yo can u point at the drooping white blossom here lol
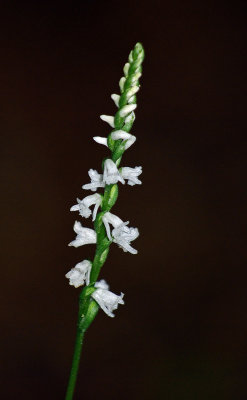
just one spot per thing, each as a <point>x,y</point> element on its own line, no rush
<point>96,181</point>
<point>107,300</point>
<point>83,205</point>
<point>121,234</point>
<point>109,119</point>
<point>84,235</point>
<point>131,174</point>
<point>80,274</point>
<point>111,173</point>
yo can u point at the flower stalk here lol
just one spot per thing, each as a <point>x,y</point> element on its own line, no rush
<point>96,294</point>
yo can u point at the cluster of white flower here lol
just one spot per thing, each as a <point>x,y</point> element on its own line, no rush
<point>120,234</point>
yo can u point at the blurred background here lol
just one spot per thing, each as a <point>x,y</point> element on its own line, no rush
<point>182,332</point>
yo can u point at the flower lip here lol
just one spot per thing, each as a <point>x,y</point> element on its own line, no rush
<point>131,175</point>
<point>83,205</point>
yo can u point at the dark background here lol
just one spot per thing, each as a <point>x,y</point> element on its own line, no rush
<point>182,332</point>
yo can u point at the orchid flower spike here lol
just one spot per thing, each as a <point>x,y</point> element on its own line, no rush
<point>131,174</point>
<point>121,234</point>
<point>116,135</point>
<point>96,181</point>
<point>84,235</point>
<point>80,274</point>
<point>111,173</point>
<point>83,205</point>
<point>107,300</point>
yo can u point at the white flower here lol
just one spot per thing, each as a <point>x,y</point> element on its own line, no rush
<point>125,110</point>
<point>115,98</point>
<point>96,181</point>
<point>121,83</point>
<point>79,274</point>
<point>131,174</point>
<point>116,135</point>
<point>109,119</point>
<point>84,235</point>
<point>107,300</point>
<point>83,205</point>
<point>121,234</point>
<point>111,174</point>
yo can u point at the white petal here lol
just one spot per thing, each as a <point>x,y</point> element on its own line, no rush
<point>75,207</point>
<point>121,83</point>
<point>77,227</point>
<point>126,69</point>
<point>109,119</point>
<point>100,140</point>
<point>111,173</point>
<point>112,219</point>
<point>116,135</point>
<point>107,227</point>
<point>115,98</point>
<point>127,109</point>
<point>102,284</point>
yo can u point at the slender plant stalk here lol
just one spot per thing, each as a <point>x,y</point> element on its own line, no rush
<point>75,364</point>
<point>88,307</point>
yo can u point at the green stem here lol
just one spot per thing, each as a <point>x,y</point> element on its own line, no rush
<point>88,309</point>
<point>76,361</point>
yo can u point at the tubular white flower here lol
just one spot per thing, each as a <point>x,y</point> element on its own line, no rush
<point>116,135</point>
<point>115,98</point>
<point>96,181</point>
<point>130,139</point>
<point>80,274</point>
<point>109,119</point>
<point>83,205</point>
<point>121,234</point>
<point>100,140</point>
<point>107,300</point>
<point>131,174</point>
<point>125,110</point>
<point>121,83</point>
<point>84,235</point>
<point>111,173</point>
